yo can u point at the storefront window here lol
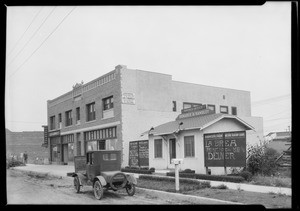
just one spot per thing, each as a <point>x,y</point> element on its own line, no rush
<point>71,152</point>
<point>54,153</point>
<point>91,145</point>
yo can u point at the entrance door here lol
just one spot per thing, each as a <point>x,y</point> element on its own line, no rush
<point>172,148</point>
<point>65,153</point>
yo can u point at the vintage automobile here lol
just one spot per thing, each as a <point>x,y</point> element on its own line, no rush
<point>102,170</point>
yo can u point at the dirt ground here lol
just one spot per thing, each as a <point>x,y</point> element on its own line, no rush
<point>25,189</point>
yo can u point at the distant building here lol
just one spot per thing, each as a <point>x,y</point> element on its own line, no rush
<point>280,141</point>
<point>116,108</point>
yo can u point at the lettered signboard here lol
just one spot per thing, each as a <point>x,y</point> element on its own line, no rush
<point>225,149</point>
<point>138,153</point>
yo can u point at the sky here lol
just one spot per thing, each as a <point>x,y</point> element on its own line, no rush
<point>49,49</point>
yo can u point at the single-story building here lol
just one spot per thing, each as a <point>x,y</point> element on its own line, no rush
<point>202,139</point>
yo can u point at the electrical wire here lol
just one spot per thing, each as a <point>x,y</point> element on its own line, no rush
<point>24,32</point>
<point>42,42</point>
<point>32,35</point>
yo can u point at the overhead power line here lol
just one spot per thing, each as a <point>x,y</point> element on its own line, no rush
<point>32,36</point>
<point>24,32</point>
<point>269,100</point>
<point>42,42</point>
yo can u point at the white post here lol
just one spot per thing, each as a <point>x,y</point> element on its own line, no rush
<point>177,177</point>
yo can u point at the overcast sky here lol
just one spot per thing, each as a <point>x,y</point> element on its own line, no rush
<point>49,49</point>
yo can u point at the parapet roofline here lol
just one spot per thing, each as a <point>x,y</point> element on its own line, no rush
<point>210,86</point>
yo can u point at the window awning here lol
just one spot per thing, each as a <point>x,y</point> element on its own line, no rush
<point>198,122</point>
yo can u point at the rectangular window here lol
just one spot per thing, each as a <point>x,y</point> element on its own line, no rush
<point>190,105</point>
<point>158,148</point>
<point>224,109</point>
<point>189,146</point>
<point>52,122</point>
<point>211,107</point>
<point>77,115</point>
<point>233,111</point>
<point>101,145</point>
<point>68,118</point>
<point>108,103</point>
<point>174,106</point>
<point>59,121</point>
<point>91,113</point>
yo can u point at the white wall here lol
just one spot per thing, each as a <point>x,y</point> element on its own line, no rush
<point>196,163</point>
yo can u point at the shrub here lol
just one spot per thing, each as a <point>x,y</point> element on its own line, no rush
<point>137,171</point>
<point>205,184</point>
<point>262,160</point>
<point>152,169</point>
<point>246,175</point>
<point>13,163</point>
<point>169,179</point>
<point>188,171</point>
<point>222,186</point>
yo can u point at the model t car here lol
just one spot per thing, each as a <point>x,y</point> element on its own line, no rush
<point>102,170</point>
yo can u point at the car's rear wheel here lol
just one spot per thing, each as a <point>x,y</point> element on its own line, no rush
<point>76,184</point>
<point>130,189</point>
<point>98,190</point>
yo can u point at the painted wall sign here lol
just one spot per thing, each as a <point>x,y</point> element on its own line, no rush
<point>139,153</point>
<point>225,149</point>
<point>195,113</point>
<point>54,133</point>
<point>45,134</point>
<point>128,98</point>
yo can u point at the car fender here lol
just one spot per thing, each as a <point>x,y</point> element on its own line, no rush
<point>81,177</point>
<point>131,179</point>
<point>102,180</point>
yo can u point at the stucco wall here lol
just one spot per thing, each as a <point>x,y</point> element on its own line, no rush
<point>196,93</point>
<point>196,163</point>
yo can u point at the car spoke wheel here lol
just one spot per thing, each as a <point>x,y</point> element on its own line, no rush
<point>98,190</point>
<point>76,184</point>
<point>130,189</point>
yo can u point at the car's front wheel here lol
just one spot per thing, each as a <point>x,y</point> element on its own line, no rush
<point>76,184</point>
<point>98,190</point>
<point>130,189</point>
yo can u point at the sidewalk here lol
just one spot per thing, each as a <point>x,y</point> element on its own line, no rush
<point>62,170</point>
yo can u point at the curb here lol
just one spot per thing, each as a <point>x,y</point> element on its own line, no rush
<point>188,197</point>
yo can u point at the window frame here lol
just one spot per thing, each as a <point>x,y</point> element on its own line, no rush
<point>158,154</point>
<point>174,106</point>
<point>52,122</point>
<point>224,107</point>
<point>234,113</point>
<point>68,121</point>
<point>108,103</point>
<point>211,105</point>
<point>91,112</point>
<point>192,150</point>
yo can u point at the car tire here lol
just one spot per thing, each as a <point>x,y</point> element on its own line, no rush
<point>76,184</point>
<point>130,189</point>
<point>98,190</point>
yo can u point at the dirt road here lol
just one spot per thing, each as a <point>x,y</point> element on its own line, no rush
<point>28,189</point>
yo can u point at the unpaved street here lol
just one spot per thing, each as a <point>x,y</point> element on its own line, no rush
<point>29,189</point>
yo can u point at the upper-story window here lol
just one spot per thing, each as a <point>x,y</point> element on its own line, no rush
<point>52,122</point>
<point>108,103</point>
<point>59,120</point>
<point>224,109</point>
<point>190,105</point>
<point>233,110</point>
<point>211,107</point>
<point>77,115</point>
<point>174,106</point>
<point>91,112</point>
<point>69,118</point>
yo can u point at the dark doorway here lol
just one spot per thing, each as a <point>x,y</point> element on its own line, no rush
<point>172,148</point>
